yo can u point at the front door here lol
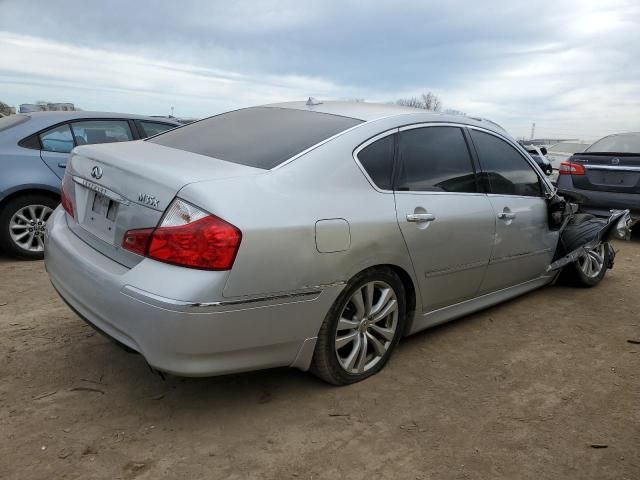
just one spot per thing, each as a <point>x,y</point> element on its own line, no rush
<point>447,224</point>
<point>524,246</point>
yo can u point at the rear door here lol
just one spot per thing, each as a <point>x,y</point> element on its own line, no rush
<point>56,144</point>
<point>447,223</point>
<point>523,246</point>
<point>59,140</point>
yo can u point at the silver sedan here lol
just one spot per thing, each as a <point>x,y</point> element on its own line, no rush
<point>311,235</point>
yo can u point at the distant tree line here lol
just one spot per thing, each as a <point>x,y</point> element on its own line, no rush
<point>5,109</point>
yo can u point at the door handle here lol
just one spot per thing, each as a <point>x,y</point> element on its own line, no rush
<point>62,164</point>
<point>506,216</point>
<point>420,217</point>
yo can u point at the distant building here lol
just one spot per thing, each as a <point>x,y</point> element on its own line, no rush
<point>47,107</point>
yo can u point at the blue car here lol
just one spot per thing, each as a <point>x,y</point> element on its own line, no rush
<point>33,155</point>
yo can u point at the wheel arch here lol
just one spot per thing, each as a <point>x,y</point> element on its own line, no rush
<point>31,190</point>
<point>411,290</point>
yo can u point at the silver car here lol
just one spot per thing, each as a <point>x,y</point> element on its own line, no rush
<point>299,234</point>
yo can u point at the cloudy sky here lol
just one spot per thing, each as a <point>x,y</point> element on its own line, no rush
<point>570,66</point>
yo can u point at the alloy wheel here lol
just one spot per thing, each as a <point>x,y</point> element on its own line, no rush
<point>366,327</point>
<point>592,263</point>
<point>28,225</point>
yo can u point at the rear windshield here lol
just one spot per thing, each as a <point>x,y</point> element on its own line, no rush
<point>261,137</point>
<point>629,143</point>
<point>12,120</point>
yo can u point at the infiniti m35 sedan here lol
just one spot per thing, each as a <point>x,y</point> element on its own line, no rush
<point>311,235</point>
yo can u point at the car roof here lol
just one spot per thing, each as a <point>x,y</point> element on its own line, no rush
<point>369,112</point>
<point>41,120</point>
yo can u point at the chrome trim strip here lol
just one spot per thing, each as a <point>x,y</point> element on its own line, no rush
<point>218,306</point>
<point>617,168</point>
<point>102,190</point>
<point>457,268</point>
<point>518,256</point>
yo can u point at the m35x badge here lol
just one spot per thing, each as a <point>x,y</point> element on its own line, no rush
<point>148,199</point>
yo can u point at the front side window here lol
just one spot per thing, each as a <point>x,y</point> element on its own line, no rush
<point>505,170</point>
<point>377,160</point>
<point>58,139</point>
<point>88,132</point>
<point>154,128</point>
<point>435,159</point>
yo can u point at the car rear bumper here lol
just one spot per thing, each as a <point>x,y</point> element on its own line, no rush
<point>599,202</point>
<point>177,336</point>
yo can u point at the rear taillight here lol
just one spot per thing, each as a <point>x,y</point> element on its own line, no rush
<point>65,198</point>
<point>189,237</point>
<point>569,168</point>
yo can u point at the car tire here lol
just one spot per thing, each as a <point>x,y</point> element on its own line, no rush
<point>22,219</point>
<point>583,272</point>
<point>358,335</point>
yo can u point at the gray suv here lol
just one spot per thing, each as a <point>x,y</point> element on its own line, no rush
<point>33,156</point>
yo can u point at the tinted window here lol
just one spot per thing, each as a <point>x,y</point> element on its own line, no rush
<point>505,170</point>
<point>57,139</point>
<point>261,137</point>
<point>101,131</point>
<point>153,128</point>
<point>377,160</point>
<point>629,143</point>
<point>435,159</point>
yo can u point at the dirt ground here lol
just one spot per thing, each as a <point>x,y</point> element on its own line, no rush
<point>522,390</point>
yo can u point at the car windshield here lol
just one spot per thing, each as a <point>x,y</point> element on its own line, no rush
<point>12,121</point>
<point>626,143</point>
<point>261,137</point>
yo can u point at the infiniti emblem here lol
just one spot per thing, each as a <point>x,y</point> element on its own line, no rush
<point>96,172</point>
<point>615,161</point>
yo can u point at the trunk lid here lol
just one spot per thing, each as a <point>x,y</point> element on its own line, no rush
<point>608,172</point>
<point>124,186</point>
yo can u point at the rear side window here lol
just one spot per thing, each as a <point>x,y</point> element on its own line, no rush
<point>261,137</point>
<point>154,128</point>
<point>57,139</point>
<point>377,160</point>
<point>504,168</point>
<point>435,159</point>
<point>101,131</point>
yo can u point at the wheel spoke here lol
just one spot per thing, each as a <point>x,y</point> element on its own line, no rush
<point>40,242</point>
<point>20,216</point>
<point>350,361</point>
<point>32,212</point>
<point>346,324</point>
<point>358,302</point>
<point>391,307</point>
<point>377,344</point>
<point>385,295</point>
<point>18,226</point>
<point>386,333</point>
<point>368,289</point>
<point>362,357</point>
<point>345,339</point>
<point>20,236</point>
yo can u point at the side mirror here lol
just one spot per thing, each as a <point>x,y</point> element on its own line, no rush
<point>543,150</point>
